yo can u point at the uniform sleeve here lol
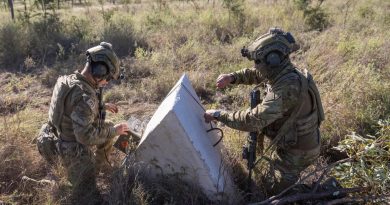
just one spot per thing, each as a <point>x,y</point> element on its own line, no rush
<point>247,76</point>
<point>85,128</point>
<point>275,105</point>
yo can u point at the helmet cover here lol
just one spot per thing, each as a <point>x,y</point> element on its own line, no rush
<point>276,40</point>
<point>104,53</point>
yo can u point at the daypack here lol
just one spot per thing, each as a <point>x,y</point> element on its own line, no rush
<point>47,143</point>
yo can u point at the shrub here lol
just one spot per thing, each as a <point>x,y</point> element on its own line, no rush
<point>79,34</point>
<point>45,34</point>
<point>120,33</point>
<point>316,19</point>
<point>366,12</point>
<point>369,154</point>
<point>236,13</point>
<point>13,45</point>
<point>302,4</point>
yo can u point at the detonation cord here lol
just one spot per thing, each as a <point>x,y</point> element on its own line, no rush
<point>201,106</point>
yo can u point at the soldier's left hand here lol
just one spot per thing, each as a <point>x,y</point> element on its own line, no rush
<point>121,128</point>
<point>111,107</point>
<point>209,115</point>
<point>223,80</point>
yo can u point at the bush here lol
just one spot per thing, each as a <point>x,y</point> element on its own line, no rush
<point>120,33</point>
<point>316,19</point>
<point>368,168</point>
<point>366,12</point>
<point>13,45</point>
<point>45,34</point>
<point>236,14</point>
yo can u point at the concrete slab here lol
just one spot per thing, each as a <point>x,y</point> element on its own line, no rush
<point>176,141</point>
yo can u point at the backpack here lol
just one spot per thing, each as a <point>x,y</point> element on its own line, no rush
<point>47,143</point>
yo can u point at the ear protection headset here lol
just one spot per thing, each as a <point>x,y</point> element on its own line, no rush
<point>98,69</point>
<point>273,59</point>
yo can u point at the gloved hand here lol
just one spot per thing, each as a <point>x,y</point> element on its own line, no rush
<point>211,115</point>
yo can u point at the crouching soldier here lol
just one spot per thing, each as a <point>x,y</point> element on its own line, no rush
<point>76,120</point>
<point>290,112</point>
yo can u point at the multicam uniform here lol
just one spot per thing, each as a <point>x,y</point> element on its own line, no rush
<point>287,96</point>
<point>74,114</point>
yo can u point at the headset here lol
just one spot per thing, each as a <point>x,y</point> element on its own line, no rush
<point>273,59</point>
<point>99,69</point>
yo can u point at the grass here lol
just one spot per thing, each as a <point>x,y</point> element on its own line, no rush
<point>157,43</point>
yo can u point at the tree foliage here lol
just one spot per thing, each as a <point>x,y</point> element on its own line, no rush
<point>316,17</point>
<point>371,156</point>
<point>236,12</point>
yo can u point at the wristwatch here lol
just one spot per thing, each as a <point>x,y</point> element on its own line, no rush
<point>217,114</point>
<point>233,78</point>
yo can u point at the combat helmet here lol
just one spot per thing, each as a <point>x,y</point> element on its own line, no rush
<point>105,54</point>
<point>271,48</point>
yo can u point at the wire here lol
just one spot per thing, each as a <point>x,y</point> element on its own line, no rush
<point>220,139</point>
<point>201,106</point>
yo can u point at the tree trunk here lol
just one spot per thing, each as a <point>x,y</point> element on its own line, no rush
<point>11,7</point>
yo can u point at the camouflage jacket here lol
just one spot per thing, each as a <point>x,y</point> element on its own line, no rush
<point>281,98</point>
<point>74,111</point>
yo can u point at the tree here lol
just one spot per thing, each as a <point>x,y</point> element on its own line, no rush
<point>11,7</point>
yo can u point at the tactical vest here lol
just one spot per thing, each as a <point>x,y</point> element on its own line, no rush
<point>312,121</point>
<point>299,124</point>
<point>61,90</point>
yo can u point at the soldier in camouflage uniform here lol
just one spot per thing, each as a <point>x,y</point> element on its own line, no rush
<point>290,112</point>
<point>74,116</point>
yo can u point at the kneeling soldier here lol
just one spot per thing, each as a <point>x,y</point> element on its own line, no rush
<point>76,117</point>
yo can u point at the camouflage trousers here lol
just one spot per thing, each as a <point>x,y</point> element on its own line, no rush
<point>81,166</point>
<point>284,168</point>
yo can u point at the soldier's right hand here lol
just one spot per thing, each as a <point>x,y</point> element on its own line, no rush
<point>223,80</point>
<point>121,128</point>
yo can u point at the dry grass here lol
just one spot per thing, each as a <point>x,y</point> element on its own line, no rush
<point>131,186</point>
<point>157,43</point>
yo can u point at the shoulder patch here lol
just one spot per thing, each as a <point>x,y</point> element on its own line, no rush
<point>90,102</point>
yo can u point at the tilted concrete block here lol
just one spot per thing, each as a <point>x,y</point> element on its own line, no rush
<point>176,141</point>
